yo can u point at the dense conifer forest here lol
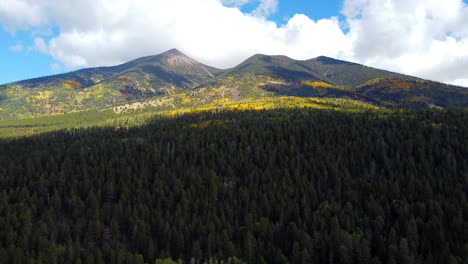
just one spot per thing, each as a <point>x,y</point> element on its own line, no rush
<point>276,186</point>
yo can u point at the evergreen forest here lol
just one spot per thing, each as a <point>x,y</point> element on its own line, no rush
<point>270,186</point>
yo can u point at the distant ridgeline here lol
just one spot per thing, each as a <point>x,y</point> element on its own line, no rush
<point>177,81</point>
<point>277,186</point>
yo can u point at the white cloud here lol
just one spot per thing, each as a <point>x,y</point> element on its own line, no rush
<point>113,32</point>
<point>426,38</point>
<point>266,8</point>
<point>21,14</point>
<point>16,48</point>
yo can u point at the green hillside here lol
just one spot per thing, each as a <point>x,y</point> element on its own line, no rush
<point>177,81</point>
<point>398,93</point>
<point>138,114</point>
<point>347,74</point>
<point>99,88</point>
<point>166,160</point>
<point>275,66</point>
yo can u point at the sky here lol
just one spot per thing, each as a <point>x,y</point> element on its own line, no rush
<point>424,38</point>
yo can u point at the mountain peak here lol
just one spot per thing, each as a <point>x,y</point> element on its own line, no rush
<point>331,61</point>
<point>269,58</point>
<point>175,57</point>
<point>173,52</point>
<point>279,66</point>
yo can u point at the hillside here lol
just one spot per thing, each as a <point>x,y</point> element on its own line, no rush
<point>332,71</point>
<point>177,81</point>
<point>397,93</point>
<point>97,88</point>
<point>325,77</point>
<point>348,74</point>
<point>279,186</point>
<point>163,74</point>
<point>273,161</point>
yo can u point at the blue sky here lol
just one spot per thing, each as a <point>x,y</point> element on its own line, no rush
<point>315,9</point>
<point>24,63</point>
<point>427,39</point>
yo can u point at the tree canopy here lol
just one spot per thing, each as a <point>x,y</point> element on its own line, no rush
<point>277,186</point>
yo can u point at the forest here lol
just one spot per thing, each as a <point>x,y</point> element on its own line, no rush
<point>271,186</point>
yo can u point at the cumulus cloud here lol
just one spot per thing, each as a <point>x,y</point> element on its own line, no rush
<point>18,14</point>
<point>426,38</point>
<point>113,32</point>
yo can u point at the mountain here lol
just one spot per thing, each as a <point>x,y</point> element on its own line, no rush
<point>96,88</point>
<point>398,93</point>
<point>332,71</point>
<point>275,66</point>
<point>177,81</point>
<point>343,73</point>
<point>163,74</point>
<point>328,77</point>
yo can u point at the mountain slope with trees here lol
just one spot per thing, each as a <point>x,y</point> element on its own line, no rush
<point>279,186</point>
<point>174,75</point>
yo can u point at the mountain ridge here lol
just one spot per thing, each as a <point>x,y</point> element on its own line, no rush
<point>173,74</point>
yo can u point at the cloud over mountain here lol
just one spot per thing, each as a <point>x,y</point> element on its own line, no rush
<point>424,38</point>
